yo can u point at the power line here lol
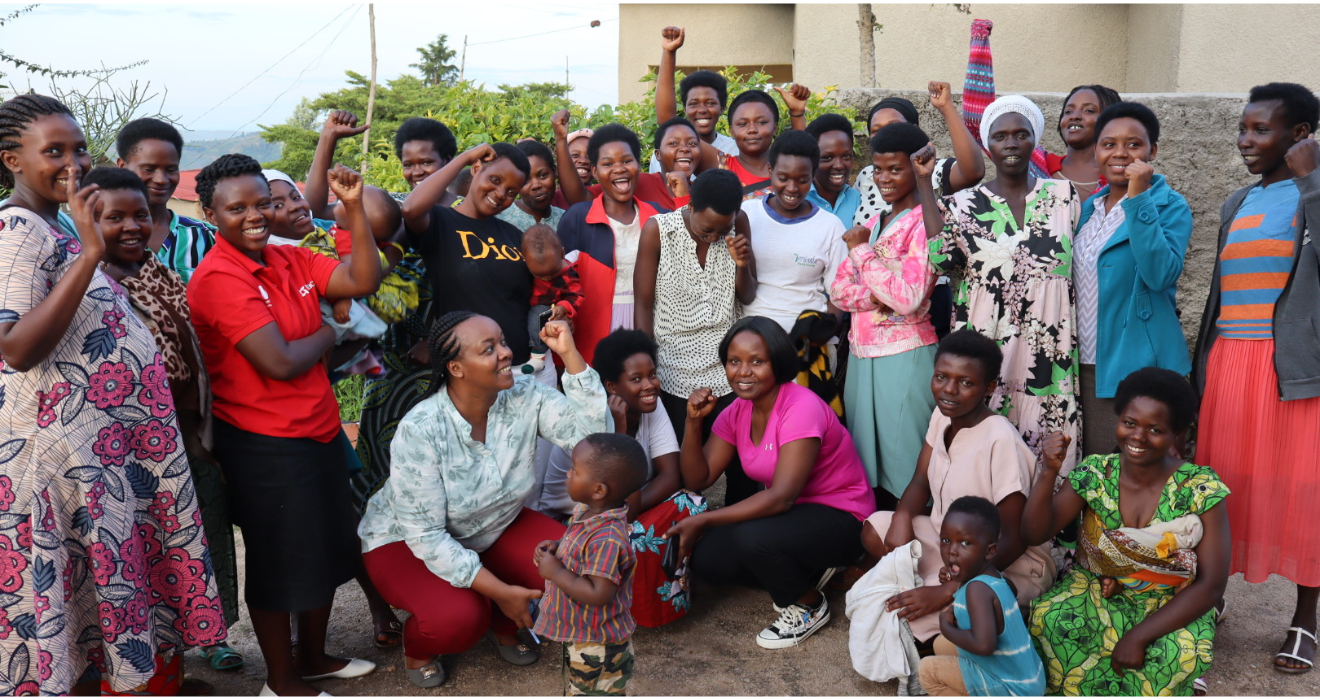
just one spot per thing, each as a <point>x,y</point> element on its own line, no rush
<point>529,36</point>
<point>272,66</point>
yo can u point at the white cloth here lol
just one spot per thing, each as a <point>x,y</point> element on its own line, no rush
<point>273,175</point>
<point>1012,104</point>
<point>796,260</point>
<point>1090,240</point>
<point>722,143</point>
<point>875,635</point>
<point>362,322</point>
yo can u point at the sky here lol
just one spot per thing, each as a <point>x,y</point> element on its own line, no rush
<point>204,53</point>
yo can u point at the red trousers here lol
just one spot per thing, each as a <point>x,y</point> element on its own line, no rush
<point>450,620</point>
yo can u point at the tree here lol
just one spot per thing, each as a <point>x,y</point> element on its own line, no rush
<point>435,63</point>
<point>538,91</point>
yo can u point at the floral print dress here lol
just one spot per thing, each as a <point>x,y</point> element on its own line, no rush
<point>103,561</point>
<point>1015,286</point>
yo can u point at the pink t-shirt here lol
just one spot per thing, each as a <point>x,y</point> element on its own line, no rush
<point>837,480</point>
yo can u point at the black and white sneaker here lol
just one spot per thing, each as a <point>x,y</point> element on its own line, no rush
<point>820,585</point>
<point>796,623</point>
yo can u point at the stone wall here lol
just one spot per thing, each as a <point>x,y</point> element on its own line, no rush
<point>1197,153</point>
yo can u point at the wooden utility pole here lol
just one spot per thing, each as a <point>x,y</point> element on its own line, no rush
<point>371,95</point>
<point>462,62</point>
<point>566,70</point>
<point>866,30</point>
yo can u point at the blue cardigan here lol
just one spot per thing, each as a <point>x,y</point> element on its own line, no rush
<point>1138,271</point>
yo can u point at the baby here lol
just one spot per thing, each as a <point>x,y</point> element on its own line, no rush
<point>588,572</point>
<point>556,292</point>
<point>983,647</point>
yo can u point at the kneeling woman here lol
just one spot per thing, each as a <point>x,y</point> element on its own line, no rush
<point>1130,619</point>
<point>447,535</point>
<point>808,520</point>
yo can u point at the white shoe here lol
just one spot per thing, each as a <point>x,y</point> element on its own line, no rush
<point>353,669</point>
<point>534,364</point>
<point>795,624</point>
<point>820,585</point>
<point>267,692</point>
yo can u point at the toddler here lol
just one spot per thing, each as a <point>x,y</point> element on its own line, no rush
<point>983,647</point>
<point>556,292</point>
<point>588,572</point>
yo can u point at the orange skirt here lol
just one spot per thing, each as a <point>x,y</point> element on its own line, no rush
<point>1268,453</point>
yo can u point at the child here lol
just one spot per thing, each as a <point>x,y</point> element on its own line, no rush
<point>398,294</point>
<point>588,572</point>
<point>556,289</point>
<point>983,628</point>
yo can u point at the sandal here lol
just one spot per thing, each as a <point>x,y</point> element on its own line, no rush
<point>431,675</point>
<point>1221,612</point>
<point>1296,647</point>
<point>520,654</point>
<point>1200,688</point>
<point>392,633</point>
<point>222,657</point>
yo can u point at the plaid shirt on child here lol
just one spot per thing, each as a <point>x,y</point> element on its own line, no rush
<point>565,290</point>
<point>596,546</point>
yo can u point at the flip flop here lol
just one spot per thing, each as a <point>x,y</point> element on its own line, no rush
<point>1200,688</point>
<point>1221,612</point>
<point>1297,646</point>
<point>219,655</point>
<point>391,630</point>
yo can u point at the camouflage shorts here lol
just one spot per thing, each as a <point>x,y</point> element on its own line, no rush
<point>598,669</point>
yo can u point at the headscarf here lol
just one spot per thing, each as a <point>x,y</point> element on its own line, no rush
<point>579,134</point>
<point>1012,104</point>
<point>898,104</point>
<point>273,176</point>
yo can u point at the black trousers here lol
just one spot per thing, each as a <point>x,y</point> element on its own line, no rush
<point>737,485</point>
<point>785,554</point>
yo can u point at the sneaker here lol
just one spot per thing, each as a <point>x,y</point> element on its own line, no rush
<point>795,624</point>
<point>820,585</point>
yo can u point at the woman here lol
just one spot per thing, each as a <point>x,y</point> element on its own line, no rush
<point>885,282</point>
<point>808,520</point>
<point>448,535</point>
<point>1127,258</point>
<point>424,146</point>
<point>257,312</point>
<point>754,122</point>
<point>160,301</point>
<point>99,530</point>
<point>533,205</point>
<point>1256,359</point>
<point>1131,619</point>
<point>689,287</point>
<point>1010,241</point>
<point>626,361</point>
<point>606,232</point>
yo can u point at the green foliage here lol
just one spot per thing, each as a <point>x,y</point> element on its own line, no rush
<point>435,63</point>
<point>348,392</point>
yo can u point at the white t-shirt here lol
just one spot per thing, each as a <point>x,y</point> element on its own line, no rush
<point>796,260</point>
<point>723,144</point>
<point>656,435</point>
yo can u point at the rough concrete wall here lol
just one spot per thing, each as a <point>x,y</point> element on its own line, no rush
<point>1197,153</point>
<point>716,35</point>
<point>1221,53</point>
<point>1155,35</point>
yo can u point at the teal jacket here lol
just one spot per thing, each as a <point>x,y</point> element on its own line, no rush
<point>1138,271</point>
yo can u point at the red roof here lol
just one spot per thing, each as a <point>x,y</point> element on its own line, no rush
<point>187,189</point>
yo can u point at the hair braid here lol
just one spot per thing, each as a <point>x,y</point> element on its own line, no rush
<point>223,168</point>
<point>15,115</point>
<point>444,346</point>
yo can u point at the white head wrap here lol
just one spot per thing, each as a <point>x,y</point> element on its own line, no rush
<point>273,175</point>
<point>1012,104</point>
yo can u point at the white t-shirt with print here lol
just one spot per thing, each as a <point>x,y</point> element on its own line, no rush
<point>796,260</point>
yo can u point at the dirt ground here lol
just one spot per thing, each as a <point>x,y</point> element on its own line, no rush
<point>712,652</point>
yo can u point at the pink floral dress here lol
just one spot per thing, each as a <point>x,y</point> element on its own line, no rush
<point>103,564</point>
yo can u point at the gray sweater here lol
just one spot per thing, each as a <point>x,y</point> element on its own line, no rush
<point>1297,312</point>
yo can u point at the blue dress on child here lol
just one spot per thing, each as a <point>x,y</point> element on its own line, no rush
<point>1015,668</point>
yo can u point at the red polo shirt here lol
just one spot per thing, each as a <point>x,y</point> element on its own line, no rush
<point>232,295</point>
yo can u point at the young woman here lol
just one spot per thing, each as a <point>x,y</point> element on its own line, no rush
<point>257,312</point>
<point>694,267</point>
<point>830,189</point>
<point>626,361</point>
<point>1009,241</point>
<point>1127,258</point>
<point>754,122</point>
<point>533,204</point>
<point>808,520</point>
<point>885,282</point>
<point>1258,358</point>
<point>969,450</point>
<point>99,535</point>
<point>151,149</point>
<point>447,538</point>
<point>1123,622</point>
<point>606,233</point>
<point>424,146</point>
<point>703,94</point>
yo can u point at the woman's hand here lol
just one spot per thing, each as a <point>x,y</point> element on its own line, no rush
<point>1054,451</point>
<point>481,153</point>
<point>686,532</point>
<point>513,602</point>
<point>923,162</point>
<point>920,601</point>
<point>346,183</point>
<point>558,336</point>
<point>740,248</point>
<point>857,235</point>
<point>671,38</point>
<point>795,98</point>
<point>560,124</point>
<point>619,409</point>
<point>700,404</point>
<point>1129,653</point>
<point>342,124</point>
<point>941,95</point>
<point>1303,157</point>
<point>84,204</point>
<point>1139,174</point>
<point>678,184</point>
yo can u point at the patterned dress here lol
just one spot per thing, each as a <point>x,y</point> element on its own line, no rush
<point>1016,287</point>
<point>1075,628</point>
<point>103,561</point>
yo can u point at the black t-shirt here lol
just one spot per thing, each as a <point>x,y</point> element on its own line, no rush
<point>475,265</point>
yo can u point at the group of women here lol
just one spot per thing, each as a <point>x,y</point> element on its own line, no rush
<point>144,360</point>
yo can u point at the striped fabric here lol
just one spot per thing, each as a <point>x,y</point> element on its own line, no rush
<point>189,241</point>
<point>979,83</point>
<point>1255,262</point>
<point>592,546</point>
<point>1090,240</point>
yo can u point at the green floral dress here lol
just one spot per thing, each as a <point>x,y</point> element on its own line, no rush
<point>1015,285</point>
<point>1075,628</point>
